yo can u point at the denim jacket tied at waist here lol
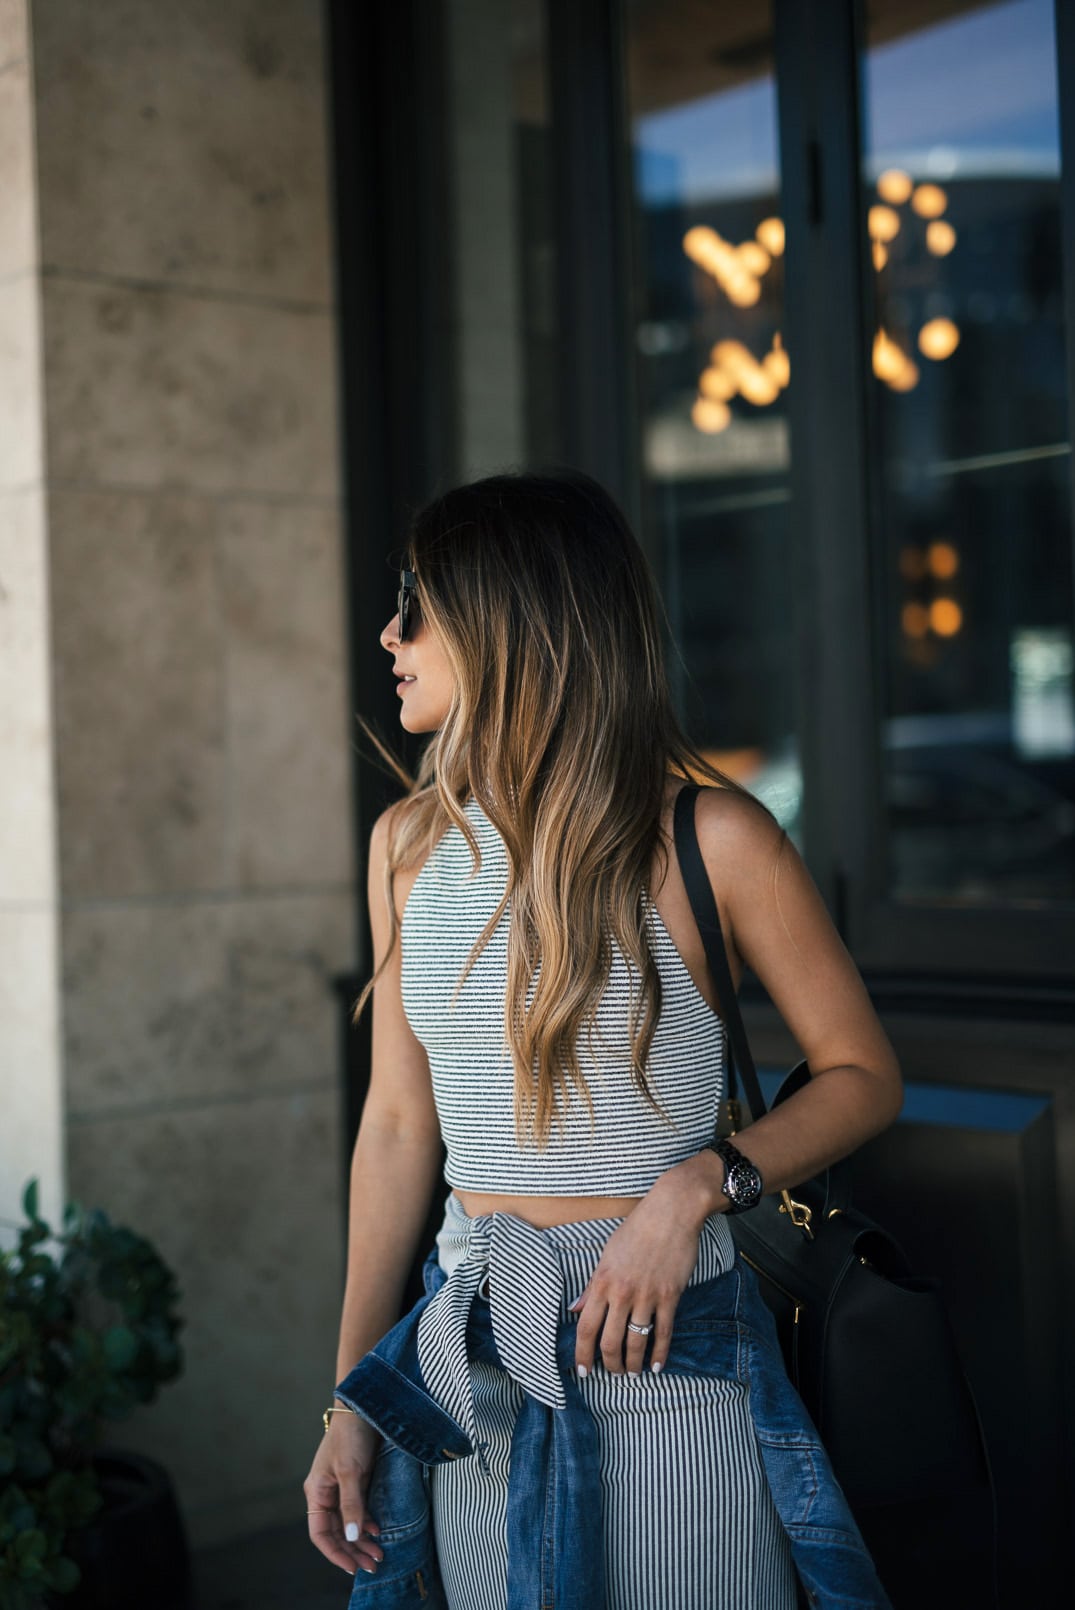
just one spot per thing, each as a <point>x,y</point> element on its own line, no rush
<point>414,1388</point>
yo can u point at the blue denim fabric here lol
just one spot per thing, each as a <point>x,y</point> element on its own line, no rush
<point>722,1328</point>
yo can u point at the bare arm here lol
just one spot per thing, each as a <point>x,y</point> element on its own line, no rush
<point>394,1170</point>
<point>782,929</point>
<point>396,1160</point>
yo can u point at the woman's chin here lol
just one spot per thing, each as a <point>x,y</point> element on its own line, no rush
<point>414,721</point>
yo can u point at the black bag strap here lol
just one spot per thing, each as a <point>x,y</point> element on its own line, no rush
<point>706,915</point>
<point>834,1181</point>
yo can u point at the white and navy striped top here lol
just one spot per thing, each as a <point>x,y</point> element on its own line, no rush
<point>626,1145</point>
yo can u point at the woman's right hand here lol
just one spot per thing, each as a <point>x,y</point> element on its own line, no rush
<point>336,1488</point>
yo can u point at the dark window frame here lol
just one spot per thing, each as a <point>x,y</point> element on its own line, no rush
<point>388,68</point>
<point>1020,949</point>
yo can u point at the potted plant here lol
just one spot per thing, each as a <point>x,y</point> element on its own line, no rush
<point>88,1328</point>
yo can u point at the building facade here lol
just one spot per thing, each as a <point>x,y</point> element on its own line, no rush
<point>176,847</point>
<point>797,282</point>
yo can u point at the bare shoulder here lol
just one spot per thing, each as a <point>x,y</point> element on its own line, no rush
<point>381,834</point>
<point>406,859</point>
<point>386,828</point>
<point>740,840</point>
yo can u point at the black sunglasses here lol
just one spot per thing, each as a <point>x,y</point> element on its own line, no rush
<point>408,604</point>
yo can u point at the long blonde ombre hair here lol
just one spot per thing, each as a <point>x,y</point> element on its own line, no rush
<point>561,728</point>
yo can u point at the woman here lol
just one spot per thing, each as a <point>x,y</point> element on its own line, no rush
<point>541,1003</point>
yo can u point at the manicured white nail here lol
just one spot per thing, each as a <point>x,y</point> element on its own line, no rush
<point>636,1375</point>
<point>582,1371</point>
<point>350,1531</point>
<point>657,1368</point>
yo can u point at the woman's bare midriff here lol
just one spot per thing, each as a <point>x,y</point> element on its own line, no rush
<point>543,1211</point>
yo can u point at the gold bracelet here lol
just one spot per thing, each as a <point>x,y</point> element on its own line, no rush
<point>337,1408</point>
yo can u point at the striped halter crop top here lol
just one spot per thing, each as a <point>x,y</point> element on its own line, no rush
<point>628,1144</point>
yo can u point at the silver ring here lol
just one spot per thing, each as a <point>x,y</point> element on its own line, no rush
<point>639,1330</point>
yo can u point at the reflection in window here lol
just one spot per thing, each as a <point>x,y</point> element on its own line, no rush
<point>973,458</point>
<point>713,376</point>
<point>503,325</point>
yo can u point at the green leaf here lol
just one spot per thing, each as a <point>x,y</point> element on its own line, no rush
<point>30,1547</point>
<point>33,1458</point>
<point>29,1200</point>
<point>120,1347</point>
<point>62,1575</point>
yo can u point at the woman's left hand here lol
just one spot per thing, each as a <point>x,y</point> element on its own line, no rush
<point>644,1267</point>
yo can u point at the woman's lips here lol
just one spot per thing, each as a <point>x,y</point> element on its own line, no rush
<point>403,682</point>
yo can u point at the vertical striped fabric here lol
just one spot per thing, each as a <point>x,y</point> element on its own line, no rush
<point>689,1521</point>
<point>627,1144</point>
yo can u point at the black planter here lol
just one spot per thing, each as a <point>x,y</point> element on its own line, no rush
<point>133,1555</point>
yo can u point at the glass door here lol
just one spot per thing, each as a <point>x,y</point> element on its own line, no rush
<point>713,371</point>
<point>971,458</point>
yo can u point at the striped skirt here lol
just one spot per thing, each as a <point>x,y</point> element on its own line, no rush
<point>689,1522</point>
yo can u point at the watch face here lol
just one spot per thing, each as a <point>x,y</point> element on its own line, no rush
<point>743,1184</point>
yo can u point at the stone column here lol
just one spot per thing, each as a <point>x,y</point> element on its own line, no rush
<point>199,726</point>
<point>30,1089</point>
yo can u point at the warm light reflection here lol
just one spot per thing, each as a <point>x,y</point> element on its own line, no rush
<point>758,387</point>
<point>733,271</point>
<point>912,564</point>
<point>883,223</point>
<point>945,617</point>
<point>771,234</point>
<point>776,362</point>
<point>743,293</point>
<point>739,271</point>
<point>908,377</point>
<point>942,559</point>
<point>710,416</point>
<point>938,339</point>
<point>892,365</point>
<point>895,186</point>
<point>733,370</point>
<point>914,618</point>
<point>751,380</point>
<point>929,200</point>
<point>940,237</point>
<point>754,258</point>
<point>714,383</point>
<point>697,243</point>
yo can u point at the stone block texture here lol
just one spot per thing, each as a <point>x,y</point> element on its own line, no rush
<point>176,620</point>
<point>240,1198</point>
<point>18,231</point>
<point>185,144</point>
<point>152,387</point>
<point>27,818</point>
<point>31,1128</point>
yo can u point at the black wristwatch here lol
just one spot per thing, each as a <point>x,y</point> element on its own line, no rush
<point>742,1181</point>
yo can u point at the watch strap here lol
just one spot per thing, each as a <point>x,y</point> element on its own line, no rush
<point>732,1158</point>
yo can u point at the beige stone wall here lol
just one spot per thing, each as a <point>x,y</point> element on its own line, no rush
<point>200,725</point>
<point>31,1117</point>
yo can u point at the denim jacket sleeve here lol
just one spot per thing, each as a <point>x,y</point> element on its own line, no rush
<point>722,1327</point>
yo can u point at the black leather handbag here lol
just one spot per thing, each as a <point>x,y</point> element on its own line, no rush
<point>867,1343</point>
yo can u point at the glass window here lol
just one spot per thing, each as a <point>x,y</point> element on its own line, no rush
<point>972,459</point>
<point>713,374</point>
<point>502,255</point>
